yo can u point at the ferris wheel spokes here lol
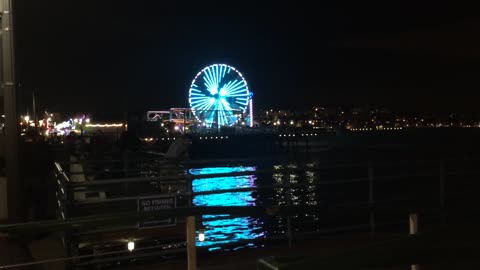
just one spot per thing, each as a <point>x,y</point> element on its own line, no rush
<point>219,96</point>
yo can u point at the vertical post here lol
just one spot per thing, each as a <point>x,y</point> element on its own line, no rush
<point>251,110</point>
<point>289,203</point>
<point>126,168</point>
<point>191,232</point>
<point>218,121</point>
<point>11,117</point>
<point>34,109</point>
<point>125,172</point>
<point>191,248</point>
<point>442,190</point>
<point>371,202</point>
<point>124,124</point>
<point>184,120</point>
<point>413,224</point>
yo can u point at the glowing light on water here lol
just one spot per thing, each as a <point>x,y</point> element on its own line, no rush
<point>223,229</point>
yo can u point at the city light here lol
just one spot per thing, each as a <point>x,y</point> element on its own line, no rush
<point>201,235</point>
<point>131,246</point>
<point>103,125</point>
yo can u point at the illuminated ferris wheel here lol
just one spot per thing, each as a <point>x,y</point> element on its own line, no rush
<point>219,95</point>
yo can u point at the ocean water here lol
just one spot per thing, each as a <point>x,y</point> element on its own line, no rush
<point>324,185</point>
<point>223,229</point>
<point>242,232</point>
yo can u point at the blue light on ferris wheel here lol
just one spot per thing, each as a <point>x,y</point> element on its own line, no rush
<point>218,94</point>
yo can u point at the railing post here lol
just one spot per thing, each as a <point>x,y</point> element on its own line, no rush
<point>289,203</point>
<point>191,231</point>
<point>371,202</point>
<point>442,190</point>
<point>125,171</point>
<point>191,248</point>
<point>413,224</point>
<point>125,163</point>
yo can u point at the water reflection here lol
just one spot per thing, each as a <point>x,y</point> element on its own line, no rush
<point>224,229</point>
<point>300,195</point>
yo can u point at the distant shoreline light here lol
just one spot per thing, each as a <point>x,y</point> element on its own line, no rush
<point>104,125</point>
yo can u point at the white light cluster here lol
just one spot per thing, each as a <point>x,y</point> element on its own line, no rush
<point>302,134</point>
<point>104,125</point>
<point>213,138</point>
<point>377,128</point>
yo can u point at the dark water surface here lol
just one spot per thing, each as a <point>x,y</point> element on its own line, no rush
<point>399,174</point>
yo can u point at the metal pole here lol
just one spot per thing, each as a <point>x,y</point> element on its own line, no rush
<point>370,198</point>
<point>442,191</point>
<point>184,120</point>
<point>34,108</point>
<point>218,121</point>
<point>11,117</point>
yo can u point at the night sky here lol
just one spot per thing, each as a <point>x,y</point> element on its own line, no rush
<point>109,55</point>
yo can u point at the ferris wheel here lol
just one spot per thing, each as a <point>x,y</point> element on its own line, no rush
<point>219,95</point>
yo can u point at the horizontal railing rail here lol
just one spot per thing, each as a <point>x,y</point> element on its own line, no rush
<point>127,180</point>
<point>279,210</point>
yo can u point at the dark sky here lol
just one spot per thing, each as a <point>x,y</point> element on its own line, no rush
<point>104,55</point>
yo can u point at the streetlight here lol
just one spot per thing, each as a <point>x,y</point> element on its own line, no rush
<point>131,245</point>
<point>201,235</point>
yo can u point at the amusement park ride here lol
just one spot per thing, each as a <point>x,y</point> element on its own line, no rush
<point>218,96</point>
